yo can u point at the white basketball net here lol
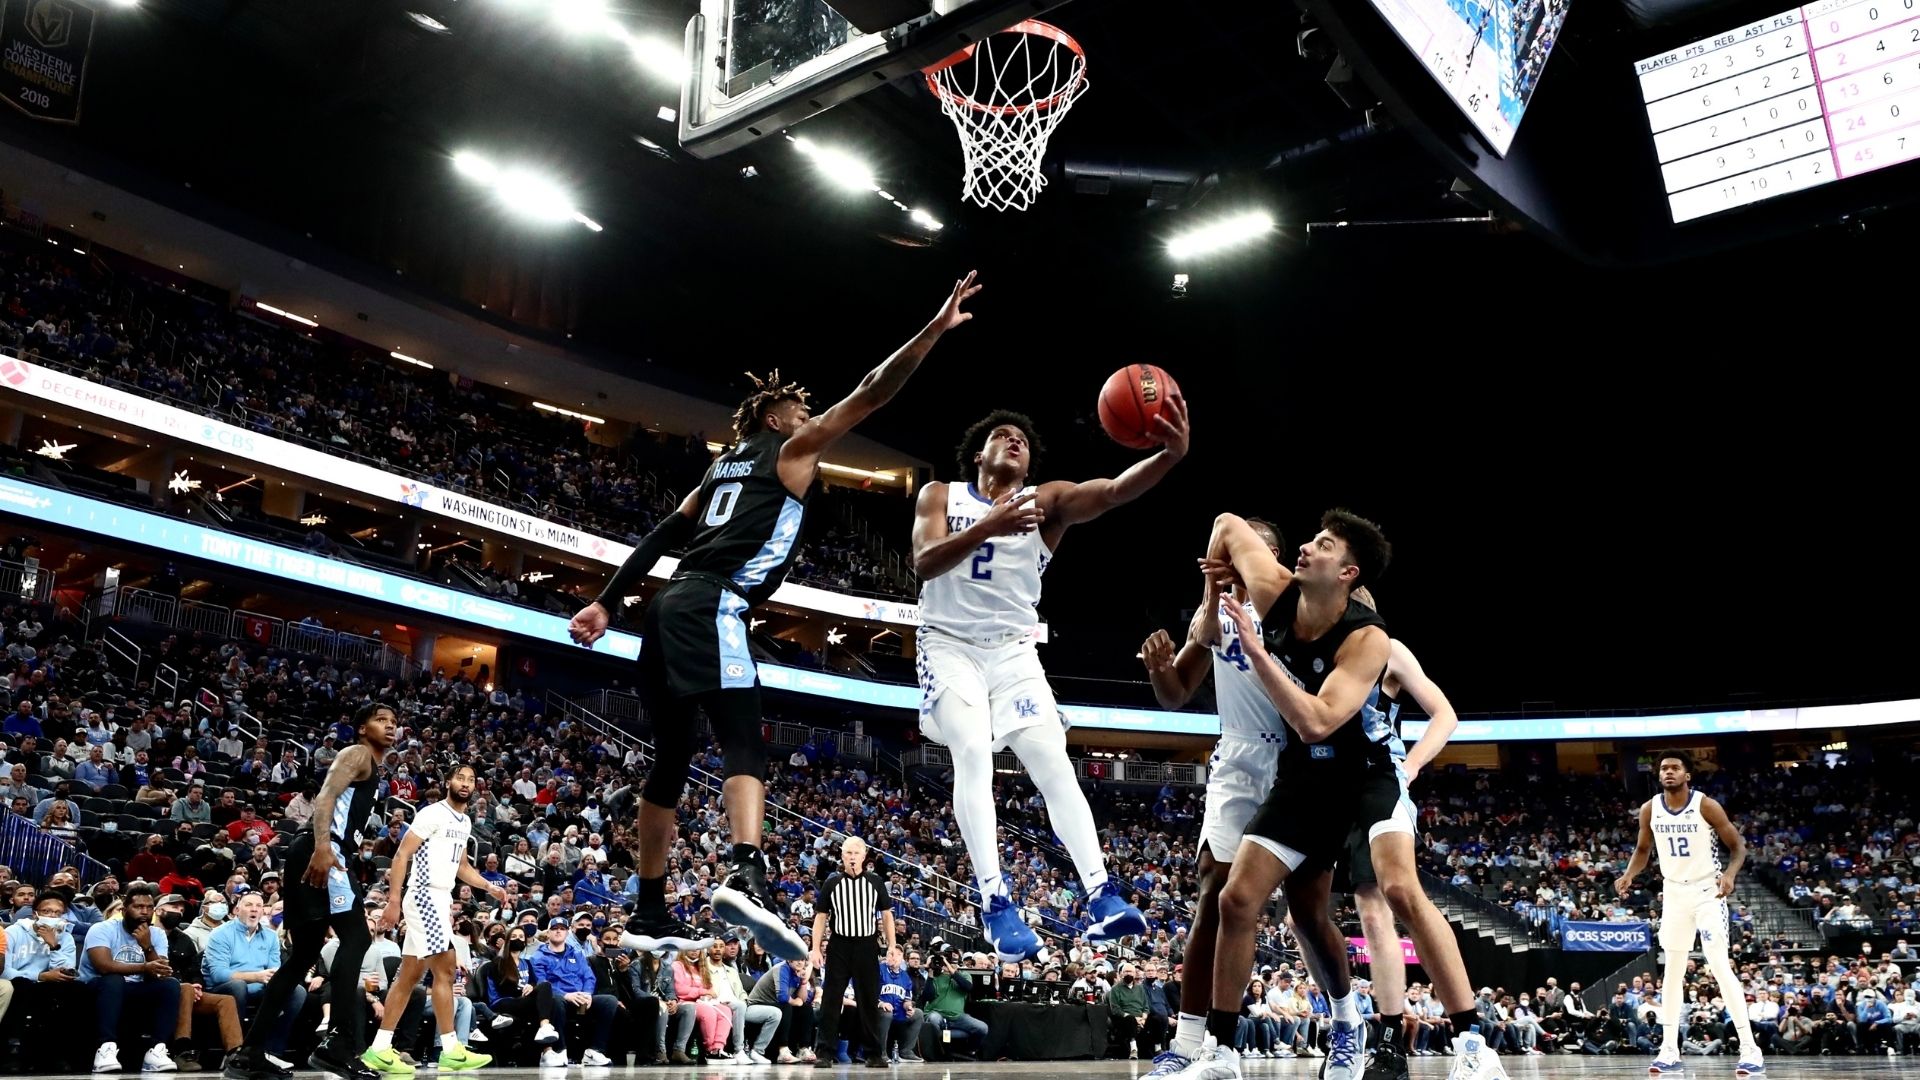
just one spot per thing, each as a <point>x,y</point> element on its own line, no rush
<point>1005,98</point>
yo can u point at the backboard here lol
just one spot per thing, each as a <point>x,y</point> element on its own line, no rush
<point>760,66</point>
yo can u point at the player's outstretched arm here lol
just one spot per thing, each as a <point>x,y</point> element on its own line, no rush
<point>1641,847</point>
<point>1068,503</point>
<point>1356,668</point>
<point>1736,844</point>
<point>590,623</point>
<point>1442,720</point>
<point>814,437</point>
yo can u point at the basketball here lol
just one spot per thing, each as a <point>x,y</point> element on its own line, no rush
<point>1130,400</point>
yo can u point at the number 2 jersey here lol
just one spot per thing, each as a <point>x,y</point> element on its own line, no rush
<point>993,596</point>
<point>443,833</point>
<point>747,527</point>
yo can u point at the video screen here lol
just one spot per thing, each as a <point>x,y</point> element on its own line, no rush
<point>1486,55</point>
<point>1792,101</point>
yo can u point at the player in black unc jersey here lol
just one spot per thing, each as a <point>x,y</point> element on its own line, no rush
<point>740,529</point>
<point>1321,665</point>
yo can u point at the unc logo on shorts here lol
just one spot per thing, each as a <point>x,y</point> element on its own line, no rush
<point>1026,708</point>
<point>734,671</point>
<point>1320,753</point>
<point>1319,665</point>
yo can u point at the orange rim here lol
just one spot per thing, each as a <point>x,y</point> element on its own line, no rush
<point>1029,26</point>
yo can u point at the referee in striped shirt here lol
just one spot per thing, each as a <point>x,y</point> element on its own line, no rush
<point>855,904</point>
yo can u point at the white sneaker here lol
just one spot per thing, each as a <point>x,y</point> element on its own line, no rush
<point>478,1037</point>
<point>546,1036</point>
<point>1472,1060</point>
<point>505,1020</point>
<point>1214,1063</point>
<point>553,1059</point>
<point>1314,1051</point>
<point>1283,1052</point>
<point>107,1058</point>
<point>594,1059</point>
<point>758,1058</point>
<point>158,1060</point>
<point>1346,1052</point>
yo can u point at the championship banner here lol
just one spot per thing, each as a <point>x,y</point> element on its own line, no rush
<point>1606,937</point>
<point>43,56</point>
<point>1357,946</point>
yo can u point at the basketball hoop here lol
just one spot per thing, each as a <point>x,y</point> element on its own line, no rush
<point>1005,94</point>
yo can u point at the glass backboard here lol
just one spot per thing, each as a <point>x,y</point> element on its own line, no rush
<point>760,66</point>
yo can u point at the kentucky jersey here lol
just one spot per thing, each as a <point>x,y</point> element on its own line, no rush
<point>994,594</point>
<point>1245,709</point>
<point>443,833</point>
<point>748,525</point>
<point>1689,852</point>
<point>1362,743</point>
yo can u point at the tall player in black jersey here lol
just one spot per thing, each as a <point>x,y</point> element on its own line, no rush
<point>740,528</point>
<point>326,895</point>
<point>1322,669</point>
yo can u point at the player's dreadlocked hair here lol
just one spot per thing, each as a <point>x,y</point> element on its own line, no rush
<point>975,440</point>
<point>751,416</point>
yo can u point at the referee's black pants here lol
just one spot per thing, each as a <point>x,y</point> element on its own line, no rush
<point>858,959</point>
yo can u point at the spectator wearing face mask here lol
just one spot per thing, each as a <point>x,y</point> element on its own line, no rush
<point>1906,1020</point>
<point>512,990</point>
<point>1873,1022</point>
<point>42,968</point>
<point>213,915</point>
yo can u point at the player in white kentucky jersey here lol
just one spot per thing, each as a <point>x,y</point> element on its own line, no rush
<point>1680,825</point>
<point>980,547</point>
<point>1241,770</point>
<point>431,859</point>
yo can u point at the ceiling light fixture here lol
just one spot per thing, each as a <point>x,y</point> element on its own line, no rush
<point>284,313</point>
<point>567,412</point>
<point>410,360</point>
<point>1221,234</point>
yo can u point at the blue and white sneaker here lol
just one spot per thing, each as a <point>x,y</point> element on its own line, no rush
<point>1214,1063</point>
<point>1113,917</point>
<point>1012,940</point>
<point>1346,1052</point>
<point>1473,1059</point>
<point>1669,1067</point>
<point>1168,1063</point>
<point>1755,1067</point>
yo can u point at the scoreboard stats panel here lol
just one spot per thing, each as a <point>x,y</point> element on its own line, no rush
<point>1815,94</point>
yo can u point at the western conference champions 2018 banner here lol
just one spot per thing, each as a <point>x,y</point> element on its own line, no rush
<point>43,56</point>
<point>1606,937</point>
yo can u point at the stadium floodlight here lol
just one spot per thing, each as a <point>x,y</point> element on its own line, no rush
<point>1221,234</point>
<point>582,17</point>
<point>403,357</point>
<point>474,167</point>
<point>840,168</point>
<point>544,407</point>
<point>926,221</point>
<point>523,191</point>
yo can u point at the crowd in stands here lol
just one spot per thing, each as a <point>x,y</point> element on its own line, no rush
<point>451,433</point>
<point>178,796</point>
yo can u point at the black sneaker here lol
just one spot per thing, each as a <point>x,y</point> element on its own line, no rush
<point>1386,1063</point>
<point>248,1063</point>
<point>327,1059</point>
<point>742,902</point>
<point>657,931</point>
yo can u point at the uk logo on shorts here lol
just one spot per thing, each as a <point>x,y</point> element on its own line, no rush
<point>1026,708</point>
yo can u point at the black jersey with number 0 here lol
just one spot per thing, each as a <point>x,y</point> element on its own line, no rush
<point>748,524</point>
<point>1360,744</point>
